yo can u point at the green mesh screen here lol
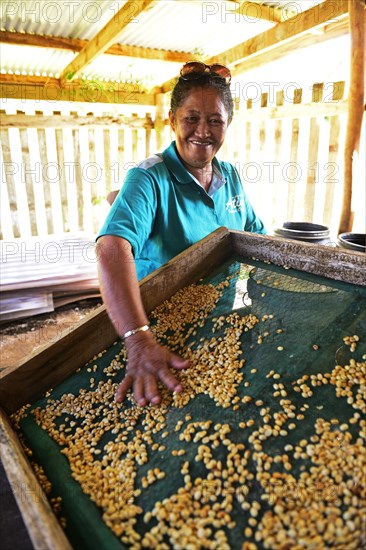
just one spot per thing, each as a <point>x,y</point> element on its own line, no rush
<point>290,488</point>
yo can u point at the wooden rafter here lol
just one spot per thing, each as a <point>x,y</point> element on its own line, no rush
<point>282,32</point>
<point>107,36</point>
<point>275,42</point>
<point>333,30</point>
<point>76,45</point>
<point>329,17</point>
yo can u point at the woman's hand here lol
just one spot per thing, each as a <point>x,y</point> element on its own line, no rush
<point>147,363</point>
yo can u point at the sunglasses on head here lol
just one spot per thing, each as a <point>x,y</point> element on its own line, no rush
<point>193,70</point>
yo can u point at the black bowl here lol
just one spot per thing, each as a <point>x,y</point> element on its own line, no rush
<point>304,231</point>
<point>353,241</point>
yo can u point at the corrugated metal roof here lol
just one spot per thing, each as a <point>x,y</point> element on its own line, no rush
<point>203,27</point>
<point>146,73</point>
<point>71,19</point>
<point>199,28</point>
<point>33,60</point>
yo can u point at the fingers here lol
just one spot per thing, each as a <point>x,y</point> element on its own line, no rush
<point>144,374</point>
<point>123,388</point>
<point>145,389</point>
<point>170,380</point>
<point>138,390</point>
<point>177,362</point>
<point>151,391</point>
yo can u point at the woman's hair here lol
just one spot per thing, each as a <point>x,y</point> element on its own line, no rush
<point>184,87</point>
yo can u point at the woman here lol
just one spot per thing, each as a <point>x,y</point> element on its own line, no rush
<point>167,203</point>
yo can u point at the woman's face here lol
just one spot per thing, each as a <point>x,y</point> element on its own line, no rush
<point>200,125</point>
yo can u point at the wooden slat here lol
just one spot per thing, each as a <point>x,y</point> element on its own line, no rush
<point>294,165</point>
<point>94,184</point>
<point>78,178</point>
<point>62,181</point>
<point>107,161</point>
<point>6,223</point>
<point>134,138</point>
<point>278,185</point>
<point>52,363</point>
<point>108,35</point>
<point>73,121</point>
<point>41,88</point>
<point>313,164</point>
<point>121,156</point>
<point>332,171</point>
<point>263,137</point>
<point>160,119</point>
<point>8,168</point>
<point>248,125</point>
<point>88,175</point>
<point>76,45</point>
<point>52,173</point>
<point>23,134</point>
<point>149,126</point>
<point>46,184</point>
<point>43,528</point>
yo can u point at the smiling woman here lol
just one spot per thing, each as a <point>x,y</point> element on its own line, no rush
<point>200,123</point>
<point>167,203</point>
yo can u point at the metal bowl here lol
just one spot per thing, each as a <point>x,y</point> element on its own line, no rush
<point>353,241</point>
<point>304,231</point>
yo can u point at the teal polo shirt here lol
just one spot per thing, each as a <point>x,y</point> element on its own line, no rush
<point>161,208</point>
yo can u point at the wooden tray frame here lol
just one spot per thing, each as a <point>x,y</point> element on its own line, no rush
<point>55,361</point>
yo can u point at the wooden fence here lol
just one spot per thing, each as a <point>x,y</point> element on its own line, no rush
<point>57,170</point>
<point>289,153</point>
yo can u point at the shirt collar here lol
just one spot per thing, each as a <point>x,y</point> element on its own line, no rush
<point>174,165</point>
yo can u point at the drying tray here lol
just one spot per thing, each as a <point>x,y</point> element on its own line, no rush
<point>310,298</point>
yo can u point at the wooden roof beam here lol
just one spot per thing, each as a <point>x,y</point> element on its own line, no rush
<point>332,30</point>
<point>287,31</point>
<point>42,88</point>
<point>277,40</point>
<point>76,45</point>
<point>107,36</point>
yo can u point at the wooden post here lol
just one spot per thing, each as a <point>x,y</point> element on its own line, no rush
<point>355,107</point>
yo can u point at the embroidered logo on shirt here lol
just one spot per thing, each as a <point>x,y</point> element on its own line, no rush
<point>235,204</point>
